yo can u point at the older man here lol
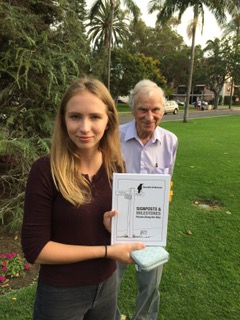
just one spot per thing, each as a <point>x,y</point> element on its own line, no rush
<point>147,148</point>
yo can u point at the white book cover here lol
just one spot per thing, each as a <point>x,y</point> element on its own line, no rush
<point>142,202</point>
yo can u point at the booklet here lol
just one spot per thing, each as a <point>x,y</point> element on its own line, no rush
<point>142,202</point>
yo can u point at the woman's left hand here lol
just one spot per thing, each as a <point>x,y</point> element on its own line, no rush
<point>107,218</point>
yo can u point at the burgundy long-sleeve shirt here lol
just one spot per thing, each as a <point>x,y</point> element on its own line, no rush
<point>48,216</point>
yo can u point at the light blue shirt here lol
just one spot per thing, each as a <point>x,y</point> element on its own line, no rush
<point>157,156</point>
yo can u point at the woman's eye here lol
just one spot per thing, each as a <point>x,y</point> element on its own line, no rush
<point>75,117</point>
<point>95,117</point>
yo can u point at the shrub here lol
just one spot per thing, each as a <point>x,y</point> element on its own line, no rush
<point>17,156</point>
<point>12,265</point>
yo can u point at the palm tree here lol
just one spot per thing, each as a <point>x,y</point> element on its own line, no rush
<point>219,65</point>
<point>233,28</point>
<point>108,25</point>
<point>167,8</point>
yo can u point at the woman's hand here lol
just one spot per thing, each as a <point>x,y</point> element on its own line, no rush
<point>107,218</point>
<point>122,252</point>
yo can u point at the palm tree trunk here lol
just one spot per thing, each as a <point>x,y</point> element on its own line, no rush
<point>191,64</point>
<point>112,2</point>
<point>231,93</point>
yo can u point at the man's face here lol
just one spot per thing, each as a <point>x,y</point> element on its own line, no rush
<point>148,112</point>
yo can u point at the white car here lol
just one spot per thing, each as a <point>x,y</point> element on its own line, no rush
<point>180,103</point>
<point>171,106</point>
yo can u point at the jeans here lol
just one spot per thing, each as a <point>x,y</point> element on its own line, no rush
<point>93,302</point>
<point>148,297</point>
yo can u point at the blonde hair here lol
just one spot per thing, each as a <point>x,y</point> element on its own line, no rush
<point>64,157</point>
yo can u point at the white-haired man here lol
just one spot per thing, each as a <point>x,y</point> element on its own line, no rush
<point>147,148</point>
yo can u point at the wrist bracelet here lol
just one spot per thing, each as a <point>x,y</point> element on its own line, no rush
<point>105,256</point>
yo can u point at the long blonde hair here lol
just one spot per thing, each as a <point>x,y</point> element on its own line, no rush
<point>64,157</point>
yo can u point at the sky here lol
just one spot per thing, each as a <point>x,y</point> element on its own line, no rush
<point>210,30</point>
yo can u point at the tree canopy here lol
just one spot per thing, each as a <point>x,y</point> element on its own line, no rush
<point>166,9</point>
<point>39,55</point>
<point>44,45</point>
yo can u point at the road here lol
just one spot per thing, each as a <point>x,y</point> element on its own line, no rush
<point>192,114</point>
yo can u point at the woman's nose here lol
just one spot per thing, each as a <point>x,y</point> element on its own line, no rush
<point>85,125</point>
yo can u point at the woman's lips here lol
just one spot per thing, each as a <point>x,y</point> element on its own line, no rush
<point>84,139</point>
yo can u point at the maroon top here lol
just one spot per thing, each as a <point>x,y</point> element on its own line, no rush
<point>48,216</point>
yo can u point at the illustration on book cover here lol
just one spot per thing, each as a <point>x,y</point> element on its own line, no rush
<point>142,204</point>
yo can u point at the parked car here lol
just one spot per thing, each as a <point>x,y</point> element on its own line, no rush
<point>171,106</point>
<point>204,104</point>
<point>180,103</point>
<point>123,99</point>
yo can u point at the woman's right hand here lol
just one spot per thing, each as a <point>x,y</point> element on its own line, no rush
<point>122,252</point>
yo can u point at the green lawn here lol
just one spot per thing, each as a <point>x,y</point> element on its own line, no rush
<point>201,281</point>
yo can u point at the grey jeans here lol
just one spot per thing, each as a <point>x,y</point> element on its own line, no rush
<point>95,302</point>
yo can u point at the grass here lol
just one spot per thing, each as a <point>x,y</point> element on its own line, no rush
<point>125,108</point>
<point>201,281</point>
<point>17,305</point>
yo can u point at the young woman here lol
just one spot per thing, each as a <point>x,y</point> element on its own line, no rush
<point>67,210</point>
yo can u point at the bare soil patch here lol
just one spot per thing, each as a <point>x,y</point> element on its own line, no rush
<point>212,205</point>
